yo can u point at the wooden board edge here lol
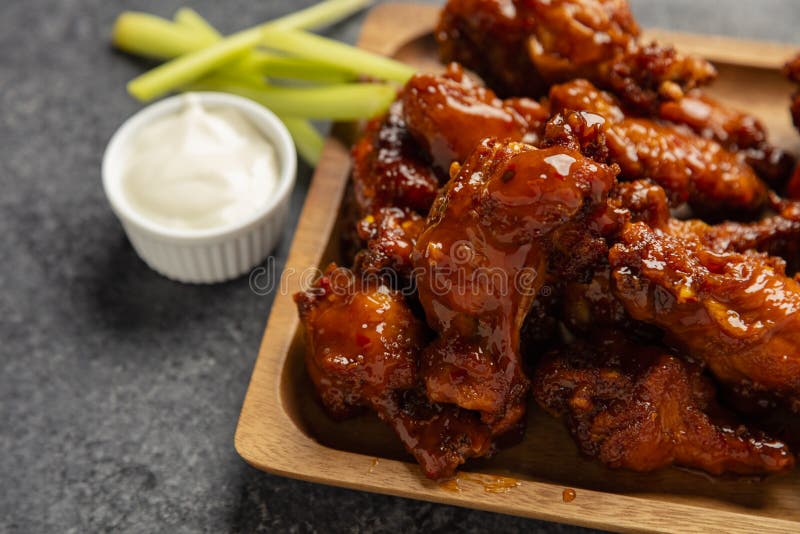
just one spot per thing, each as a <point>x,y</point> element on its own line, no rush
<point>727,50</point>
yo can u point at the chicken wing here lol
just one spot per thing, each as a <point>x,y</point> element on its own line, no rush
<point>362,350</point>
<point>734,130</point>
<point>482,259</point>
<point>643,408</point>
<point>713,180</point>
<point>736,312</point>
<point>775,235</point>
<point>521,47</point>
<point>450,114</point>
<point>390,169</point>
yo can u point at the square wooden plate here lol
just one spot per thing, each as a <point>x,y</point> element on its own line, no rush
<point>283,430</point>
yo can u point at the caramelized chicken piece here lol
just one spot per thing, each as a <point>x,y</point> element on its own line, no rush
<point>441,437</point>
<point>793,189</point>
<point>588,306</point>
<point>541,330</point>
<point>450,114</point>
<point>521,47</point>
<point>643,408</point>
<point>389,169</point>
<point>712,119</point>
<point>488,37</point>
<point>713,180</point>
<point>646,201</point>
<point>390,235</point>
<point>792,71</point>
<point>735,130</point>
<point>580,131</point>
<point>362,350</point>
<point>775,235</point>
<point>484,256</point>
<point>362,340</point>
<point>738,313</point>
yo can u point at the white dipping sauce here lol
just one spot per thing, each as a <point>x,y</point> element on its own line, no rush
<point>200,168</point>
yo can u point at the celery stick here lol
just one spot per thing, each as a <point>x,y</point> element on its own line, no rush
<point>343,56</point>
<point>306,138</point>
<point>322,14</point>
<point>336,102</point>
<point>269,64</point>
<point>275,66</point>
<point>192,66</point>
<point>151,36</point>
<point>191,19</point>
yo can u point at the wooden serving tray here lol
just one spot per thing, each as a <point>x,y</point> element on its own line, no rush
<point>283,430</point>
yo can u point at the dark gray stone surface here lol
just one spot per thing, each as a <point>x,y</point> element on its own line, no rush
<point>120,390</point>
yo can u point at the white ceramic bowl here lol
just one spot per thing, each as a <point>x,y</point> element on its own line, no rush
<point>208,255</point>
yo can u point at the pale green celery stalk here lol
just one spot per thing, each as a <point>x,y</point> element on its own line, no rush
<point>190,67</point>
<point>306,138</point>
<point>147,35</point>
<point>191,19</point>
<point>321,14</point>
<point>275,66</point>
<point>266,64</point>
<point>336,102</point>
<point>346,57</point>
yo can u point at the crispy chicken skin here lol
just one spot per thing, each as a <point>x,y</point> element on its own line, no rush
<point>450,114</point>
<point>738,313</point>
<point>362,340</point>
<point>389,236</point>
<point>775,235</point>
<point>735,130</point>
<point>521,47</point>
<point>690,168</point>
<point>362,350</point>
<point>482,259</point>
<point>441,437</point>
<point>712,119</point>
<point>393,189</point>
<point>438,119</point>
<point>644,408</point>
<point>389,168</point>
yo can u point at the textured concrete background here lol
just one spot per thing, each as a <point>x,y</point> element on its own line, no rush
<point>120,390</point>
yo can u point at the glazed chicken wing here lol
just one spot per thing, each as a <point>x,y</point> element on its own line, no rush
<point>713,180</point>
<point>775,235</point>
<point>734,130</point>
<point>450,114</point>
<point>738,313</point>
<point>362,350</point>
<point>643,408</point>
<point>398,161</point>
<point>521,47</point>
<point>389,168</point>
<point>482,259</point>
